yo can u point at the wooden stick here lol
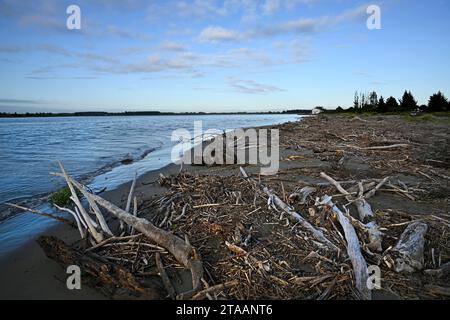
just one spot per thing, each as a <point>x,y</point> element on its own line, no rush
<point>394,146</point>
<point>317,234</point>
<point>372,192</point>
<point>220,287</point>
<point>182,251</point>
<point>164,277</point>
<point>42,214</point>
<point>78,219</point>
<point>98,237</point>
<point>365,212</point>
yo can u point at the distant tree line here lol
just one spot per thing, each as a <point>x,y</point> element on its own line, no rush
<point>370,102</point>
<point>138,113</point>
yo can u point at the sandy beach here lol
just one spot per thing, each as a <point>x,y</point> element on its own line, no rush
<point>346,147</point>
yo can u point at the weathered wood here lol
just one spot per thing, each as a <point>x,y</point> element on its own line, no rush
<point>443,271</point>
<point>353,250</point>
<point>408,252</point>
<point>438,290</point>
<point>110,279</point>
<point>220,287</point>
<point>98,237</point>
<point>42,214</point>
<point>183,252</point>
<point>164,277</point>
<point>316,233</point>
<point>364,210</point>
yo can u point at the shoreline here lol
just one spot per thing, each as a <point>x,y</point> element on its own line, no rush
<point>18,261</point>
<point>27,270</point>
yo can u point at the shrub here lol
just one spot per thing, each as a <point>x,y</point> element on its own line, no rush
<point>61,198</point>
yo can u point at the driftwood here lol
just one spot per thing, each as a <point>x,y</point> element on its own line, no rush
<point>111,279</point>
<point>220,287</point>
<point>390,147</point>
<point>317,234</point>
<point>353,250</point>
<point>438,290</point>
<point>42,214</point>
<point>83,214</point>
<point>443,271</point>
<point>408,252</point>
<point>164,277</point>
<point>364,210</point>
<point>182,251</point>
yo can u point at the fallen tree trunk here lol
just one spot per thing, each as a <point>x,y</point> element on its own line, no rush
<point>182,251</point>
<point>112,280</point>
<point>353,250</point>
<point>364,210</point>
<point>408,252</point>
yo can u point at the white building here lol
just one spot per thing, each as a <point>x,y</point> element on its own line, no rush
<point>318,110</point>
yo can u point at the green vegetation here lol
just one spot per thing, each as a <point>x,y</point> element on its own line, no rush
<point>369,103</point>
<point>61,198</point>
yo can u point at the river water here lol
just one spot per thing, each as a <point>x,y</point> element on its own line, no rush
<point>92,150</point>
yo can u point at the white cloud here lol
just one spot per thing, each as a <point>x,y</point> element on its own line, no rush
<point>217,34</point>
<point>172,46</point>
<point>251,86</point>
<point>299,26</point>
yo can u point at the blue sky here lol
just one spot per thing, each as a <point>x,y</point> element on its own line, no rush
<point>211,55</point>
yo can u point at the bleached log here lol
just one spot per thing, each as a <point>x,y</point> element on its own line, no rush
<point>98,237</point>
<point>317,234</point>
<point>364,210</point>
<point>303,194</point>
<point>78,220</point>
<point>100,218</point>
<point>408,252</point>
<point>353,250</point>
<point>183,252</point>
<point>130,198</point>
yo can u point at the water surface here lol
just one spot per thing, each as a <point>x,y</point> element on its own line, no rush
<point>91,149</point>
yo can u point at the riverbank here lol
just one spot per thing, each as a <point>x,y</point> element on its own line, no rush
<point>349,149</point>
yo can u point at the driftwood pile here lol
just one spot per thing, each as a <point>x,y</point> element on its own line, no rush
<point>232,237</point>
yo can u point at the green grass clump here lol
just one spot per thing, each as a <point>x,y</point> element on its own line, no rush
<point>61,198</point>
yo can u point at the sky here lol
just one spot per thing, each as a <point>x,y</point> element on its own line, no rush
<point>218,56</point>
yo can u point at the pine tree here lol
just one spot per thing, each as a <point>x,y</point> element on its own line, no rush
<point>382,107</point>
<point>438,102</point>
<point>392,105</point>
<point>408,103</point>
<point>356,101</point>
<point>373,99</point>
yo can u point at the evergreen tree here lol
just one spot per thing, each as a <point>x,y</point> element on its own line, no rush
<point>356,101</point>
<point>373,99</point>
<point>382,107</point>
<point>438,102</point>
<point>392,105</point>
<point>408,103</point>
